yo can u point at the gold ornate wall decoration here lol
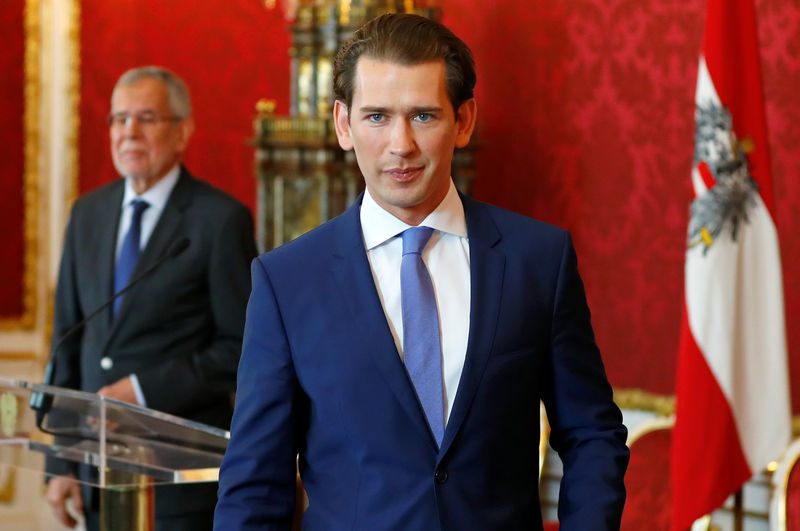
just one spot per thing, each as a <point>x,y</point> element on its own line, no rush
<point>74,99</point>
<point>31,179</point>
<point>8,482</point>
<point>664,405</point>
<point>9,409</point>
<point>32,28</point>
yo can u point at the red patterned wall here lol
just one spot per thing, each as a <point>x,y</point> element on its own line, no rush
<point>12,162</point>
<point>585,116</point>
<point>780,40</point>
<point>229,53</point>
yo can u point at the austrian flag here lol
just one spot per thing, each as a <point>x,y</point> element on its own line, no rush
<point>732,390</point>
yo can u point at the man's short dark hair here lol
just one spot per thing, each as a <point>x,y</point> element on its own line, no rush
<point>408,40</point>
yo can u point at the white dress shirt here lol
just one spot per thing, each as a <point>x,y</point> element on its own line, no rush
<point>447,258</point>
<point>157,197</point>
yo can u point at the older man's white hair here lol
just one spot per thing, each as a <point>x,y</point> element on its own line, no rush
<point>180,103</point>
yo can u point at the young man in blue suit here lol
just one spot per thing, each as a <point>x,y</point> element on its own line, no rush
<point>401,349</point>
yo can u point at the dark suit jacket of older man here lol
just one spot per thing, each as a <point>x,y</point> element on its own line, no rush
<point>180,328</point>
<point>320,376</point>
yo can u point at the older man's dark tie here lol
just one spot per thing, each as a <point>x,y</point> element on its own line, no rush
<point>422,350</point>
<point>129,254</point>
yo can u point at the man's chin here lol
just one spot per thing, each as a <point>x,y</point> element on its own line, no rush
<point>144,179</point>
<point>133,172</point>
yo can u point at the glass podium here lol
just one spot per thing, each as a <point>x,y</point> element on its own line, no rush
<point>125,449</point>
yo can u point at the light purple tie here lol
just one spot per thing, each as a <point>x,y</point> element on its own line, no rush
<point>422,350</point>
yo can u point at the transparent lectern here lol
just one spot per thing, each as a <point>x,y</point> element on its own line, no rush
<point>125,449</point>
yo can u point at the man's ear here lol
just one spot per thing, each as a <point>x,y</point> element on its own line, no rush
<point>186,129</point>
<point>341,119</point>
<point>465,122</point>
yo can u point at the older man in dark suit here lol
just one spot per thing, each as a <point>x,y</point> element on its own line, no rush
<point>172,342</point>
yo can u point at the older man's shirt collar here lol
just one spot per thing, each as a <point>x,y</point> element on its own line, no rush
<point>158,194</point>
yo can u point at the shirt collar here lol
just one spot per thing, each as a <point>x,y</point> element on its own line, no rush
<point>378,225</point>
<point>157,194</point>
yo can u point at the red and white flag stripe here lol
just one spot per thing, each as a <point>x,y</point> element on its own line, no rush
<point>733,412</point>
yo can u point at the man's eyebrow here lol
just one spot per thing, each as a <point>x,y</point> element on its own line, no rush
<point>140,111</point>
<point>373,110</point>
<point>369,109</point>
<point>422,109</point>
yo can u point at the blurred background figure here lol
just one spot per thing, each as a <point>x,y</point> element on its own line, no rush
<point>172,342</point>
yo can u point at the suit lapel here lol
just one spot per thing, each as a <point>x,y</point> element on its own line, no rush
<point>354,277</point>
<point>163,235</point>
<point>487,266</point>
<point>107,249</point>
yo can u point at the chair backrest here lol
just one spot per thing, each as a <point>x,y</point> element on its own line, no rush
<point>544,436</point>
<point>649,501</point>
<point>301,503</point>
<point>784,513</point>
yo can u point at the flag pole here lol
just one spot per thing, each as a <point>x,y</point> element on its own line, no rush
<point>738,510</point>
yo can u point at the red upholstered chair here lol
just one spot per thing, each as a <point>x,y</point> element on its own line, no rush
<point>649,502</point>
<point>648,505</point>
<point>784,514</point>
<point>301,503</point>
<point>544,436</point>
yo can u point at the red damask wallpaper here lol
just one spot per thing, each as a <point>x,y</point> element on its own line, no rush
<point>587,122</point>
<point>12,162</point>
<point>585,118</point>
<point>229,53</point>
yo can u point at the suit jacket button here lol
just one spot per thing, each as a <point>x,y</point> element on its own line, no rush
<point>106,363</point>
<point>440,475</point>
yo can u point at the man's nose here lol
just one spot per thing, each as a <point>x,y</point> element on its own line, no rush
<point>402,141</point>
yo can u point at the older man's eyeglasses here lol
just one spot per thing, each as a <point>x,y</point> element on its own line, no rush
<point>144,119</point>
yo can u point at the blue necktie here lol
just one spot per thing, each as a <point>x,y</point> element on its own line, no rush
<point>129,254</point>
<point>422,350</point>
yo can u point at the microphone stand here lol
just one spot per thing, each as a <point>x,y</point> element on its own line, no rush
<point>42,402</point>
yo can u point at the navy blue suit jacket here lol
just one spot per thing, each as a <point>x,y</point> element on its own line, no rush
<point>320,377</point>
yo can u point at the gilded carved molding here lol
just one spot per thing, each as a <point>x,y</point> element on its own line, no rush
<point>8,478</point>
<point>32,91</point>
<point>37,179</point>
<point>74,97</point>
<point>664,405</point>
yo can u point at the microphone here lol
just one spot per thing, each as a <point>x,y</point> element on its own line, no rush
<point>41,402</point>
